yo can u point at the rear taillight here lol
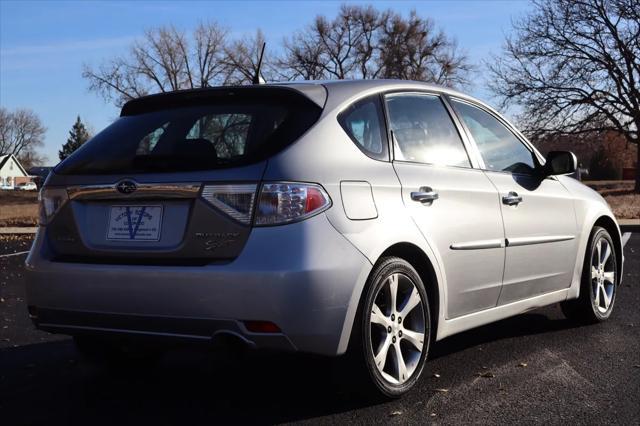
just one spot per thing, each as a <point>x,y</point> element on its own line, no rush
<point>234,200</point>
<point>284,202</point>
<point>51,200</point>
<point>278,202</point>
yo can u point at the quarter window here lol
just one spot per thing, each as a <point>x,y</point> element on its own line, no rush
<point>500,149</point>
<point>364,123</point>
<point>423,131</point>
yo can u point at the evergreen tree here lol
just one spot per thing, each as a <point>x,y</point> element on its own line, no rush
<point>78,135</point>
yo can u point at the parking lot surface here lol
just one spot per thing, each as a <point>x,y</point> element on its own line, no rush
<point>534,368</point>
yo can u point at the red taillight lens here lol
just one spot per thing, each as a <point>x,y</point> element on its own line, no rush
<point>261,327</point>
<point>315,200</point>
<point>283,202</point>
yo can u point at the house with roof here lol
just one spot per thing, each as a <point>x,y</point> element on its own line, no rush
<point>11,172</point>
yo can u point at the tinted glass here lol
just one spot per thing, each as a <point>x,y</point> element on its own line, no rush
<point>423,131</point>
<point>501,150</point>
<point>364,123</point>
<point>219,134</point>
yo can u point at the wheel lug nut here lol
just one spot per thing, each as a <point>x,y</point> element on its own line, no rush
<point>389,329</point>
<point>394,339</point>
<point>393,317</point>
<point>399,320</point>
<point>400,333</point>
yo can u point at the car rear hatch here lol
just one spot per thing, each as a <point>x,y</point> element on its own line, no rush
<point>174,180</point>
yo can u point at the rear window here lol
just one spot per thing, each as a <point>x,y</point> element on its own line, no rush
<point>215,133</point>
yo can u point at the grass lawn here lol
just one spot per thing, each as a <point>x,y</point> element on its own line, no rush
<point>21,208</point>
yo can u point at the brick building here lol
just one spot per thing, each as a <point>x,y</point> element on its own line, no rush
<point>607,155</point>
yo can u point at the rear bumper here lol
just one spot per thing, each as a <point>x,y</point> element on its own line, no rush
<point>157,328</point>
<point>304,277</point>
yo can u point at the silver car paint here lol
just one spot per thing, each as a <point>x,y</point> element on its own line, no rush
<point>333,151</point>
<point>300,279</point>
<point>308,277</point>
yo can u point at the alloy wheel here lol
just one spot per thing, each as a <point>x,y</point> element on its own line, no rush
<point>397,328</point>
<point>603,275</point>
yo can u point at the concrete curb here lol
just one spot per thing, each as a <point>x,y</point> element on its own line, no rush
<point>12,230</point>
<point>629,225</point>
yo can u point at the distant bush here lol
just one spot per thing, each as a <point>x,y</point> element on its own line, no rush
<point>601,167</point>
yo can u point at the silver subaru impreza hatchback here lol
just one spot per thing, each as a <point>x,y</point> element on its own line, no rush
<point>362,217</point>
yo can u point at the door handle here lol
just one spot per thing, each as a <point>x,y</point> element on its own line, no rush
<point>425,195</point>
<point>512,199</point>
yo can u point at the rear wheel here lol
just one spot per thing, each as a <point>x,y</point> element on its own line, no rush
<point>599,281</point>
<point>394,328</point>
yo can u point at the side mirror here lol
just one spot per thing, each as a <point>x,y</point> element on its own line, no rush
<point>560,163</point>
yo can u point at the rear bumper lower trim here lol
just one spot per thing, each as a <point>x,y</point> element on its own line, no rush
<point>165,328</point>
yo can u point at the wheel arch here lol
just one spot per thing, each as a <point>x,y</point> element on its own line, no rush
<point>610,225</point>
<point>423,265</point>
<point>606,221</point>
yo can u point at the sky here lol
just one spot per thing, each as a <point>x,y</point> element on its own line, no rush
<point>44,44</point>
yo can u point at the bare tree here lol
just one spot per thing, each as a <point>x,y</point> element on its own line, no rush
<point>303,58</point>
<point>574,67</point>
<point>334,49</point>
<point>21,133</point>
<point>165,59</point>
<point>413,49</point>
<point>362,42</point>
<point>241,59</point>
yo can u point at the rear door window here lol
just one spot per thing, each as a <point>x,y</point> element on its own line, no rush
<point>423,131</point>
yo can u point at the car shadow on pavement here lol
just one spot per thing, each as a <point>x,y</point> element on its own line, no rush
<point>518,326</point>
<point>48,383</point>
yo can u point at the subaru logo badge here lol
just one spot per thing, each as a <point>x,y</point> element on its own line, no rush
<point>126,187</point>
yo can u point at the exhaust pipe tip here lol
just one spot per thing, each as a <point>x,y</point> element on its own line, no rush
<point>231,340</point>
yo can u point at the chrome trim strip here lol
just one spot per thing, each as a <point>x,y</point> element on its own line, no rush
<point>525,241</point>
<point>143,191</point>
<point>478,245</point>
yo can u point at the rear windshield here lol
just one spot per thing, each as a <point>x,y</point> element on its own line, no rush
<point>214,134</point>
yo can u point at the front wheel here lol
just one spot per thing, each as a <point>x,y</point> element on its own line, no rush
<point>599,281</point>
<point>395,327</point>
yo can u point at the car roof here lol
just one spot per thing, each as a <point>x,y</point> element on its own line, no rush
<point>325,93</point>
<point>340,91</point>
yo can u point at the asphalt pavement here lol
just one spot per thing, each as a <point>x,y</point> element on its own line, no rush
<point>531,369</point>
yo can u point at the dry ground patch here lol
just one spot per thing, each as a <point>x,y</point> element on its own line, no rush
<point>18,208</point>
<point>625,206</point>
<point>620,196</point>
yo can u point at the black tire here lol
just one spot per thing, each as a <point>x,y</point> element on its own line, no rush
<point>116,352</point>
<point>585,309</point>
<point>361,350</point>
